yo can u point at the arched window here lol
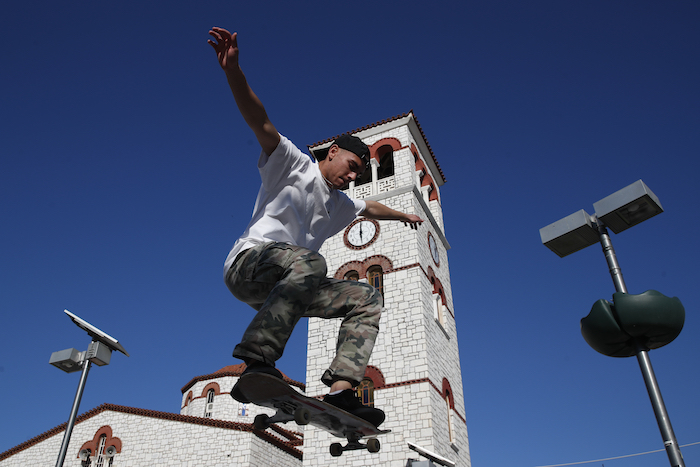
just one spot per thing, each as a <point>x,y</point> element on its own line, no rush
<point>365,391</point>
<point>352,276</point>
<point>100,459</point>
<point>375,277</point>
<point>450,407</point>
<point>450,427</point>
<point>439,308</point>
<point>386,162</point>
<point>209,407</point>
<point>101,449</point>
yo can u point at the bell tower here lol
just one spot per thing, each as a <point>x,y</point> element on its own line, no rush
<point>414,373</point>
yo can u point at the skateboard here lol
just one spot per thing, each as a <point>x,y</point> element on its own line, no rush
<point>269,391</point>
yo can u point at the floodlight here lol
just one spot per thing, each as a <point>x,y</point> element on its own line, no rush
<point>68,360</point>
<point>628,207</point>
<point>570,234</point>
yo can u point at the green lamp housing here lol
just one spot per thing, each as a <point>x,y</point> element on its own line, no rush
<point>649,319</point>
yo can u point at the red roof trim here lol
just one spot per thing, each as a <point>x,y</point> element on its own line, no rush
<point>286,446</point>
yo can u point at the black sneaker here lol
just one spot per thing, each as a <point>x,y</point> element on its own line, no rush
<point>348,401</point>
<point>254,367</point>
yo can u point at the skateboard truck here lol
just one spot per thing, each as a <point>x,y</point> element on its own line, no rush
<point>354,443</point>
<point>301,416</point>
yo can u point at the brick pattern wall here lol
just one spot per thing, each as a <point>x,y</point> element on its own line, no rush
<point>157,438</point>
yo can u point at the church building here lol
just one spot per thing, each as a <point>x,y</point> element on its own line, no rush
<point>414,374</point>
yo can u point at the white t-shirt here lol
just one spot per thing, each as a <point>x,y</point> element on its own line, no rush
<point>294,204</point>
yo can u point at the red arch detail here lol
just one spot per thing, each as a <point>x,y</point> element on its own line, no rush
<point>447,392</point>
<point>212,385</point>
<point>362,266</point>
<point>373,373</point>
<point>92,445</point>
<point>393,142</point>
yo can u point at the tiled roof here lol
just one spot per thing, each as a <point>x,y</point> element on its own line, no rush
<point>288,446</point>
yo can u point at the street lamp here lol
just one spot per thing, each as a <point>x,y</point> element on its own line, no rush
<point>70,360</point>
<point>632,324</point>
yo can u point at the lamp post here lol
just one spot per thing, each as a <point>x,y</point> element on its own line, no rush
<point>70,360</point>
<point>621,210</point>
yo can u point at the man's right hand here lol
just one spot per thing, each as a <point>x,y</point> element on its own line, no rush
<point>226,47</point>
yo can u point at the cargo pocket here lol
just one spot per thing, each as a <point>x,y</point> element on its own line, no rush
<point>272,263</point>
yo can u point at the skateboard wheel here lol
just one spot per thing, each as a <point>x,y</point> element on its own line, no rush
<point>336,449</point>
<point>302,416</point>
<point>261,422</point>
<point>373,445</point>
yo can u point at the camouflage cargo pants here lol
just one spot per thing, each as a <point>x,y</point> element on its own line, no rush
<point>285,283</point>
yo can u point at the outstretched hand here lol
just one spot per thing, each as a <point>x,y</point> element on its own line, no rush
<point>379,211</point>
<point>226,47</point>
<point>413,221</point>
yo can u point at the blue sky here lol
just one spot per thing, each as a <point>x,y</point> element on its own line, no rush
<point>127,173</point>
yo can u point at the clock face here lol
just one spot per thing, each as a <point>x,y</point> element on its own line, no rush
<point>434,252</point>
<point>361,233</point>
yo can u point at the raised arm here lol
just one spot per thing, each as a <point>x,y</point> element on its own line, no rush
<point>375,210</point>
<point>252,110</point>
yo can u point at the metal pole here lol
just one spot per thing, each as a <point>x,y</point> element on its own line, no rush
<point>611,258</point>
<point>657,402</point>
<point>74,412</point>
<point>670,443</point>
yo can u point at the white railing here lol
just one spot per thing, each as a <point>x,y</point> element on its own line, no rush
<point>386,184</point>
<point>372,188</point>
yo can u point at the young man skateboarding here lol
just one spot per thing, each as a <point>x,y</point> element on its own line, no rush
<point>275,266</point>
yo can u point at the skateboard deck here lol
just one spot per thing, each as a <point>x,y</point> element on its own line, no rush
<point>269,391</point>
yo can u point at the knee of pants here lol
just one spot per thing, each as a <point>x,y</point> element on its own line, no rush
<point>374,303</point>
<point>373,295</point>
